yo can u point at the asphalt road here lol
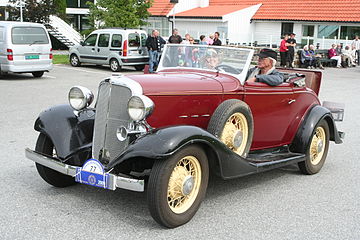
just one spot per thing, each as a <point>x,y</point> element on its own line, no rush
<point>279,204</point>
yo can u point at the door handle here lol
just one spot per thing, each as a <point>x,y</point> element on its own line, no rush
<point>291,101</point>
<point>93,49</point>
<point>98,49</point>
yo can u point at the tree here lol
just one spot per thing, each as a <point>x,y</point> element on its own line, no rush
<point>34,10</point>
<point>120,13</point>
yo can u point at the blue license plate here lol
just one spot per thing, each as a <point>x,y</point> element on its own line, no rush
<point>92,173</point>
<point>29,57</point>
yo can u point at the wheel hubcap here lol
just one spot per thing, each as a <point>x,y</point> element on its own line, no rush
<point>184,184</point>
<point>317,146</point>
<point>188,185</point>
<point>114,65</point>
<point>235,133</point>
<point>74,60</point>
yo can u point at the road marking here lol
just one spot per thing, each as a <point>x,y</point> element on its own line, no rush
<point>48,76</point>
<point>82,70</point>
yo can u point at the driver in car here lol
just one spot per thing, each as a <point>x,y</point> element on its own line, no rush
<point>211,59</point>
<point>265,70</point>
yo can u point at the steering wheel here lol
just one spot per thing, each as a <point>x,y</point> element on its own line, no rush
<point>227,68</point>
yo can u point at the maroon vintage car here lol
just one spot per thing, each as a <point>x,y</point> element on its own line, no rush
<point>168,131</point>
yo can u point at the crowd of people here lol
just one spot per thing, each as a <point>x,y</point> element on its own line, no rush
<point>309,57</point>
<point>154,43</point>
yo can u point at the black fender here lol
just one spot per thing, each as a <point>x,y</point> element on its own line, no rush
<point>69,132</point>
<point>161,143</point>
<point>305,131</point>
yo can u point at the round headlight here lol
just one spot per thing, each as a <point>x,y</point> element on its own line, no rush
<point>80,97</point>
<point>139,107</point>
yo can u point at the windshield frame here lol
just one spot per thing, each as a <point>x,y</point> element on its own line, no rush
<point>241,77</point>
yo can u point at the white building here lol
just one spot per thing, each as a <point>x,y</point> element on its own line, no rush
<point>263,22</point>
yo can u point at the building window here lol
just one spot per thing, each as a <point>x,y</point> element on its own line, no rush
<point>72,3</point>
<point>308,31</point>
<point>286,28</point>
<point>349,31</point>
<point>159,23</point>
<point>83,3</point>
<point>328,31</point>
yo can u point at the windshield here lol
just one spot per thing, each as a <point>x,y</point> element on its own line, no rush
<point>234,61</point>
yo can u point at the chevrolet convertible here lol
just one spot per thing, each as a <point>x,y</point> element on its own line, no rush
<point>167,132</point>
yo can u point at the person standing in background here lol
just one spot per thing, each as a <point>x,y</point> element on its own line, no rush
<point>153,44</point>
<point>175,37</point>
<point>217,41</point>
<point>284,51</point>
<point>355,46</point>
<point>291,50</point>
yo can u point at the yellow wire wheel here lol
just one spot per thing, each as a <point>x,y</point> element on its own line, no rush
<point>177,186</point>
<point>317,145</point>
<point>317,149</point>
<point>184,184</point>
<point>232,123</point>
<point>235,133</point>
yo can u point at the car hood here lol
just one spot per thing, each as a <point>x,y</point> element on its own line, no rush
<point>170,83</point>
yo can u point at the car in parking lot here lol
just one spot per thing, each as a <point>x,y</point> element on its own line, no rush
<point>115,47</point>
<point>25,47</point>
<point>171,130</point>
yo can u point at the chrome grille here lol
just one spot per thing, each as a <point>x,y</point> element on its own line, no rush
<point>111,113</point>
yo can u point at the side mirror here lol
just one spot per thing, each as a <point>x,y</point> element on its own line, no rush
<point>82,43</point>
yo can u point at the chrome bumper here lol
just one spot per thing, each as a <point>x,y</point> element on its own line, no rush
<point>116,181</point>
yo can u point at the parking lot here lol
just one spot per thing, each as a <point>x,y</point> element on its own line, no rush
<point>279,204</point>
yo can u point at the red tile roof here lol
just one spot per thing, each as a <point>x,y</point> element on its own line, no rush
<point>211,11</point>
<point>161,7</point>
<point>302,10</point>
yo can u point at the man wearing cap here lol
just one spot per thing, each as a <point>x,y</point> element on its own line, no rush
<point>265,71</point>
<point>291,50</point>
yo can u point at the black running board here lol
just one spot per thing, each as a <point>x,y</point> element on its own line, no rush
<point>267,161</point>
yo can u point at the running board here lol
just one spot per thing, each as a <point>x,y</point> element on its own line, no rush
<point>267,161</point>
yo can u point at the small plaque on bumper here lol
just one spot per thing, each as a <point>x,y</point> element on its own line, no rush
<point>92,173</point>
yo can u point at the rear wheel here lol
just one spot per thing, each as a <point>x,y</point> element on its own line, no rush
<point>114,65</point>
<point>74,60</point>
<point>45,146</point>
<point>177,186</point>
<point>38,74</point>
<point>139,67</point>
<point>317,149</point>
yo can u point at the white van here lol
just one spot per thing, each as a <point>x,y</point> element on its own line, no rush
<point>115,47</point>
<point>24,48</point>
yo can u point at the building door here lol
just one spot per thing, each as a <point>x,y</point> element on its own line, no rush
<point>286,28</point>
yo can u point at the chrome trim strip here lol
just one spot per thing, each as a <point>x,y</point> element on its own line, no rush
<point>116,181</point>
<point>184,116</point>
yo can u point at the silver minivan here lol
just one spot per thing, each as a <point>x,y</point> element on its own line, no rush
<point>114,47</point>
<point>24,48</point>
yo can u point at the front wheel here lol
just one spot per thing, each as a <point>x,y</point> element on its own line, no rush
<point>317,149</point>
<point>114,65</point>
<point>45,146</point>
<point>38,74</point>
<point>177,186</point>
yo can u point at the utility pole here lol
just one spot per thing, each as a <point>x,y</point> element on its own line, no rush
<point>21,5</point>
<point>174,2</point>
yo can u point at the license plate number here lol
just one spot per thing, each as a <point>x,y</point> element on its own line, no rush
<point>30,57</point>
<point>92,173</point>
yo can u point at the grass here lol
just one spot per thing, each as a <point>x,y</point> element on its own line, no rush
<point>61,59</point>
